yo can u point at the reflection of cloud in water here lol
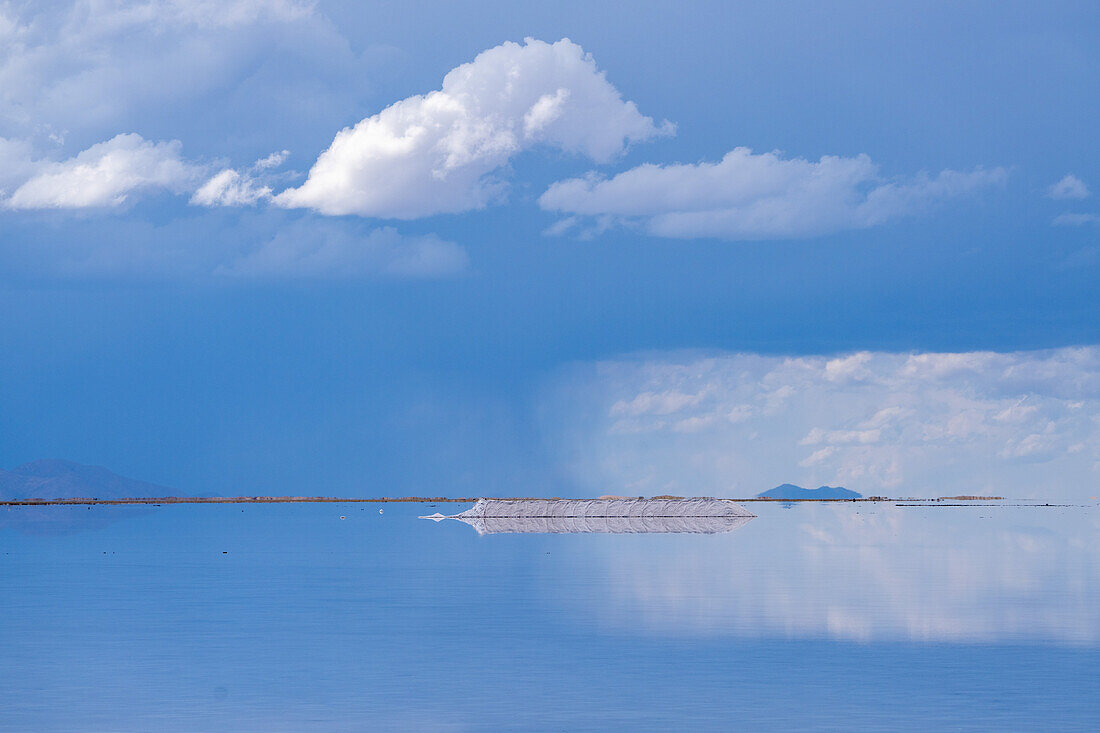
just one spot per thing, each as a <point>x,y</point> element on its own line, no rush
<point>915,574</point>
<point>605,516</point>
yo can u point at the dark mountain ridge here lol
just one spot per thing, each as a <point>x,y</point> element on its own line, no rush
<point>792,492</point>
<point>53,478</point>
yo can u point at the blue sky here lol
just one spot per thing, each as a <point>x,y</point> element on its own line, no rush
<point>189,304</point>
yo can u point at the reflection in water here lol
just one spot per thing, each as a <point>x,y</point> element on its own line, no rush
<point>64,520</point>
<point>287,617</point>
<point>924,574</point>
<point>607,516</point>
<point>607,525</point>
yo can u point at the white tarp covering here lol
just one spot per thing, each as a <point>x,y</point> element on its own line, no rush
<point>554,516</point>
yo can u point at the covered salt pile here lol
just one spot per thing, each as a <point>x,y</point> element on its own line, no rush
<point>615,516</point>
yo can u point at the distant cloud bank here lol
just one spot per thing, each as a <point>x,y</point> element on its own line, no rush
<point>1021,424</point>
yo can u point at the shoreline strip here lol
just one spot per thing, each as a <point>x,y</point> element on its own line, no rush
<point>418,500</point>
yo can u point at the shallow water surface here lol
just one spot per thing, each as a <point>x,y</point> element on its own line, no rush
<point>339,617</point>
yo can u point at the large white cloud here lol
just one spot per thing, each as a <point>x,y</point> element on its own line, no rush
<point>1023,424</point>
<point>106,174</point>
<point>439,153</point>
<point>757,196</point>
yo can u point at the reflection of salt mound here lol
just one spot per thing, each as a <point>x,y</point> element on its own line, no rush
<point>615,516</point>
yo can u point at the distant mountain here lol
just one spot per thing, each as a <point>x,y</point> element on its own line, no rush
<point>790,492</point>
<point>57,479</point>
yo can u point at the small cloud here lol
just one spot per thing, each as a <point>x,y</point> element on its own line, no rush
<point>1075,220</point>
<point>1070,187</point>
<point>271,161</point>
<point>233,188</point>
<point>90,63</point>
<point>817,456</point>
<point>560,227</point>
<point>656,403</point>
<point>695,424</point>
<point>817,436</point>
<point>230,188</point>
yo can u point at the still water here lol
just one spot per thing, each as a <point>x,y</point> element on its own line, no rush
<point>338,617</point>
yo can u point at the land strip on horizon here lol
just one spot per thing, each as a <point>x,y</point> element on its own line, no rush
<point>420,500</point>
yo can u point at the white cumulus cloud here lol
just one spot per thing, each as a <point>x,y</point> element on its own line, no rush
<point>1069,187</point>
<point>443,152</point>
<point>758,196</point>
<point>106,174</point>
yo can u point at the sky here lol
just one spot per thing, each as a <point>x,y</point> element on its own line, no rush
<point>267,246</point>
